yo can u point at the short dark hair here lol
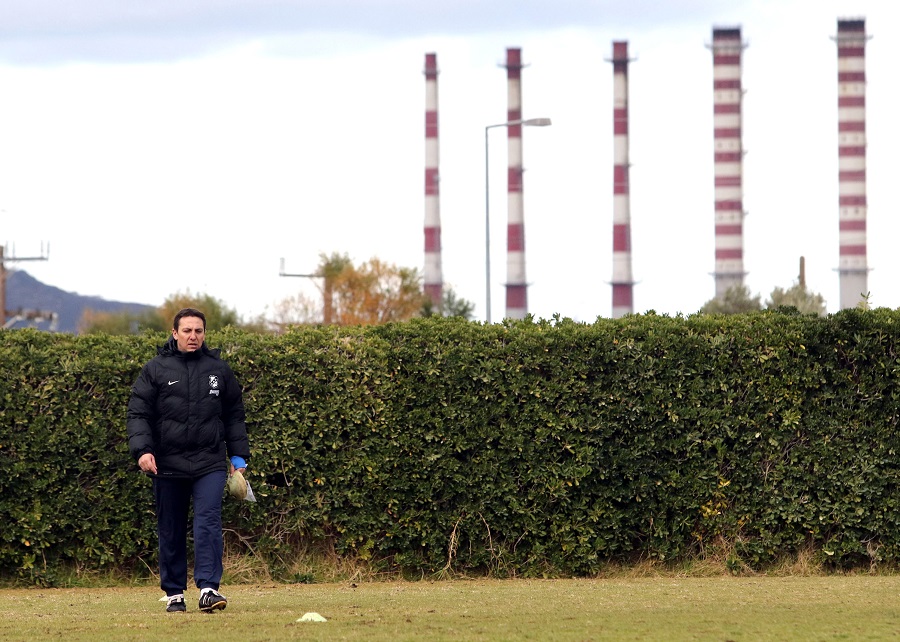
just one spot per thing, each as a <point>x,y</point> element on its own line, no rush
<point>188,312</point>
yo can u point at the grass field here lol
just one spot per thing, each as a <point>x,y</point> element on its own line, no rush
<point>725,608</point>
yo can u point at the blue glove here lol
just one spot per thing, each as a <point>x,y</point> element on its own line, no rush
<point>238,462</point>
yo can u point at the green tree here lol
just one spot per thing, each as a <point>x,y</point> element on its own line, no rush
<point>798,297</point>
<point>736,300</point>
<point>330,269</point>
<point>218,315</point>
<point>452,306</point>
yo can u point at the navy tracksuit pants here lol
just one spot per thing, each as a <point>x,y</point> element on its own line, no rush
<point>173,498</point>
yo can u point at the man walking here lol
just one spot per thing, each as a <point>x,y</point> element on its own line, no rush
<point>185,420</point>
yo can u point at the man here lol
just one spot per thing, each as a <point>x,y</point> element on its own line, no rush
<point>185,419</point>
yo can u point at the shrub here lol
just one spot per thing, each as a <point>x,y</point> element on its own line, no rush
<point>519,448</point>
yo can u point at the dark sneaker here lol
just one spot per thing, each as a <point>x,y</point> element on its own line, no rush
<point>175,604</point>
<point>211,600</point>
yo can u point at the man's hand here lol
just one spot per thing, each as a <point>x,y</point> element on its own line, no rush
<point>147,463</point>
<point>240,461</point>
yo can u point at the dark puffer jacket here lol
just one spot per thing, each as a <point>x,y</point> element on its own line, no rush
<point>186,409</point>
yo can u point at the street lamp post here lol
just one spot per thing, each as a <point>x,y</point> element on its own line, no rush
<point>530,122</point>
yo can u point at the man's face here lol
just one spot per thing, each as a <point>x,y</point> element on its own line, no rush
<point>190,333</point>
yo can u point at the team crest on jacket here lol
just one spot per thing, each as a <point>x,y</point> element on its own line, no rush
<point>214,385</point>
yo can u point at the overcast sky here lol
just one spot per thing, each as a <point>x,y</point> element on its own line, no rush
<point>166,145</point>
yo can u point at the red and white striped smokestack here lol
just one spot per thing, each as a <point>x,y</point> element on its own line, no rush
<point>516,285</point>
<point>433,278</point>
<point>622,281</point>
<point>727,49</point>
<point>852,268</point>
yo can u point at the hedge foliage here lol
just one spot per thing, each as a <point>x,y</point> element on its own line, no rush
<point>526,448</point>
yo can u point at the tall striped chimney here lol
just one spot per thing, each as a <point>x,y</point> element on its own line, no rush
<point>433,279</point>
<point>852,268</point>
<point>622,281</point>
<point>727,48</point>
<point>516,285</point>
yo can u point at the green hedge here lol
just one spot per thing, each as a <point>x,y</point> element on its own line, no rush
<point>523,448</point>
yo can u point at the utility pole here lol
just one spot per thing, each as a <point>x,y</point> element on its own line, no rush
<point>44,256</point>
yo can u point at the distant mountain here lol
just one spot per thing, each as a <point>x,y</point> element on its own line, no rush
<point>25,293</point>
